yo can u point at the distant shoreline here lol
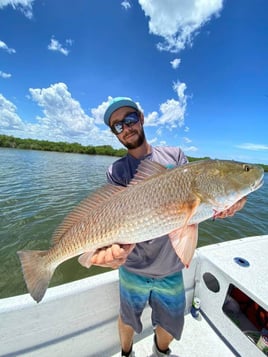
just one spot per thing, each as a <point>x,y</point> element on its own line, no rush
<point>11,142</point>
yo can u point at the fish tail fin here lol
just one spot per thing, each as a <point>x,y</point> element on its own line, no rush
<point>184,241</point>
<point>37,272</point>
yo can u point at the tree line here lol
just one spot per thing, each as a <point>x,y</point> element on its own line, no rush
<point>45,145</point>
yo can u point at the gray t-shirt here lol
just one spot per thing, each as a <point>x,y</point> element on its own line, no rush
<point>153,258</point>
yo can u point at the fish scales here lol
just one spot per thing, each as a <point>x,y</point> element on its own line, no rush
<point>157,202</point>
<point>136,207</point>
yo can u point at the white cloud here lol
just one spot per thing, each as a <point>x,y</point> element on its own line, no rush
<point>175,63</point>
<point>171,114</point>
<point>153,141</point>
<point>55,45</point>
<point>69,41</point>
<point>3,46</point>
<point>253,147</point>
<point>151,119</point>
<point>185,146</point>
<point>62,114</point>
<point>159,132</point>
<point>9,119</point>
<point>63,119</point>
<point>187,140</point>
<point>178,21</point>
<point>5,75</point>
<point>98,113</point>
<point>163,143</point>
<point>25,6</point>
<point>172,111</point>
<point>189,148</point>
<point>126,4</point>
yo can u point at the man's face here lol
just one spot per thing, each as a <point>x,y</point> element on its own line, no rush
<point>132,136</point>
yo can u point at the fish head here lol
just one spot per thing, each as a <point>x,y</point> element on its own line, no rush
<point>225,182</point>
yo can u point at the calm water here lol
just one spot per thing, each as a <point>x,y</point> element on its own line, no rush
<point>38,188</point>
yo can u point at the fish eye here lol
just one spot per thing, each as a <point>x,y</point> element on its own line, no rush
<point>246,168</point>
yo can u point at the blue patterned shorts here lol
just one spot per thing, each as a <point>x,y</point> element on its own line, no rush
<point>165,296</point>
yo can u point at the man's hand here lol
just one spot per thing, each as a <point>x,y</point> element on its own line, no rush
<point>112,256</point>
<point>233,209</point>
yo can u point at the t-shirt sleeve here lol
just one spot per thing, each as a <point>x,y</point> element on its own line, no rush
<point>182,158</point>
<point>112,178</point>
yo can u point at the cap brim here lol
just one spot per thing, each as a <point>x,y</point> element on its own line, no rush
<point>124,102</point>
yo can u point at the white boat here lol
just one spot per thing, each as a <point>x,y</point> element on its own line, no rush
<point>80,318</point>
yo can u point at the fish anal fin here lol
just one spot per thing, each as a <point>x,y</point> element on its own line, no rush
<point>85,259</point>
<point>146,170</point>
<point>83,209</point>
<point>184,242</point>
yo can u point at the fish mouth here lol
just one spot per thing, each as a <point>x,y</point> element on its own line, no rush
<point>258,184</point>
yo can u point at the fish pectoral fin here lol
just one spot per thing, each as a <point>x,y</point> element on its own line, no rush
<point>184,241</point>
<point>85,259</point>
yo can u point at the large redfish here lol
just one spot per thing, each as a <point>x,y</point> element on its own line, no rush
<point>158,201</point>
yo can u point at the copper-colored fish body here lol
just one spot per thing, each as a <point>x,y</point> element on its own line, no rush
<point>157,202</point>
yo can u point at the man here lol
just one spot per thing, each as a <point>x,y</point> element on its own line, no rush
<point>148,271</point>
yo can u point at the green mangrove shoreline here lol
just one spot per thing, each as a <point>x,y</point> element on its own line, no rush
<point>7,141</point>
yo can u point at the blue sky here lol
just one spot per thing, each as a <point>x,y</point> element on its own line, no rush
<point>197,68</point>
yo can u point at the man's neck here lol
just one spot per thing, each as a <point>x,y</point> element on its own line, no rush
<point>141,151</point>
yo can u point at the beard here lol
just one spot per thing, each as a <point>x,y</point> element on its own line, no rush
<point>137,143</point>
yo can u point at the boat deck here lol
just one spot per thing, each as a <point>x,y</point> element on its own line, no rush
<point>198,339</point>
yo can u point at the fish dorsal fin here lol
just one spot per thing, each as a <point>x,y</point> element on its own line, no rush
<point>147,169</point>
<point>82,210</point>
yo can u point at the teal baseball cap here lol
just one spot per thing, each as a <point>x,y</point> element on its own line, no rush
<point>117,103</point>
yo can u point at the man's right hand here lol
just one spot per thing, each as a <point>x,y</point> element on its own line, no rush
<point>112,256</point>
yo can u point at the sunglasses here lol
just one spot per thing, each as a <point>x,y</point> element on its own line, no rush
<point>129,120</point>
